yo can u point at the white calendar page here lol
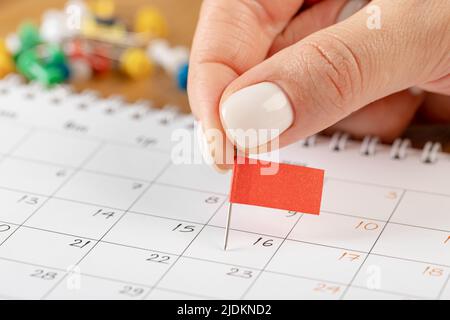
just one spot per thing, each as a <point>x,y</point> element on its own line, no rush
<point>92,207</point>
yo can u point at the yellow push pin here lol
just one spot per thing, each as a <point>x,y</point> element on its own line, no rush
<point>6,61</point>
<point>135,63</point>
<point>150,21</point>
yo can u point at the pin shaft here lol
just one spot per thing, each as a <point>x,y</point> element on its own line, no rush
<point>227,228</point>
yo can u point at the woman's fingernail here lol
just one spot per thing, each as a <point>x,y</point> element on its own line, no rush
<point>415,91</point>
<point>350,8</point>
<point>256,115</point>
<point>205,149</point>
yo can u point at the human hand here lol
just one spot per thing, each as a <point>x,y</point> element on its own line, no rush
<point>260,65</point>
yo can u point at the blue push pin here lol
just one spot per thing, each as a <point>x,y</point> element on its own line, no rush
<point>182,76</point>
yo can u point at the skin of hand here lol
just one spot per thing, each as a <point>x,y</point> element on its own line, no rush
<point>334,68</point>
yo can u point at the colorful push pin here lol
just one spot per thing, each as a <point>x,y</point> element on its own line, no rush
<point>135,63</point>
<point>274,185</point>
<point>29,36</point>
<point>182,76</point>
<point>44,63</point>
<point>150,21</point>
<point>80,69</point>
<point>105,12</point>
<point>12,44</point>
<point>100,64</point>
<point>6,61</point>
<point>54,27</point>
<point>173,60</point>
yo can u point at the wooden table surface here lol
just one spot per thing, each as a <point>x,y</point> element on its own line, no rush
<point>182,16</point>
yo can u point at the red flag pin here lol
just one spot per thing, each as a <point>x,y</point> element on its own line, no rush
<point>275,185</point>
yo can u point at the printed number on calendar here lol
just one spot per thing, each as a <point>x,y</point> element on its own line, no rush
<point>369,226</point>
<point>433,271</point>
<point>263,242</point>
<point>184,228</point>
<point>28,200</point>
<point>44,275</point>
<point>4,227</point>
<point>131,291</point>
<point>212,200</point>
<point>104,214</point>
<point>236,272</point>
<point>326,288</point>
<point>80,243</point>
<point>144,141</point>
<point>155,257</point>
<point>291,214</point>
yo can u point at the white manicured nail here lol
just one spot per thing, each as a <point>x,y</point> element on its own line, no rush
<point>350,8</point>
<point>256,115</point>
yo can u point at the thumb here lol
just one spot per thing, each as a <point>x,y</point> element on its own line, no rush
<point>386,47</point>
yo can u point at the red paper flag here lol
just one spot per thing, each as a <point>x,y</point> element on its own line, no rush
<point>293,188</point>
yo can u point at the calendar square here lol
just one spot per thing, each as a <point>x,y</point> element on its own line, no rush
<point>55,148</point>
<point>415,243</point>
<point>133,163</point>
<point>126,264</point>
<point>45,248</point>
<point>366,201</point>
<point>402,277</point>
<point>16,207</point>
<point>153,233</point>
<point>74,218</point>
<point>339,231</point>
<point>15,276</point>
<point>424,210</point>
<point>177,203</point>
<point>92,288</point>
<point>32,177</point>
<point>272,222</point>
<point>102,190</point>
<point>250,250</point>
<point>281,287</point>
<point>6,230</point>
<point>208,279</point>
<point>11,137</point>
<point>197,177</point>
<point>316,262</point>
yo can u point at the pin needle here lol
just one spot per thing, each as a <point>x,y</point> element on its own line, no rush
<point>227,228</point>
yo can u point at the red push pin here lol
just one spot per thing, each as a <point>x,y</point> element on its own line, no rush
<point>275,185</point>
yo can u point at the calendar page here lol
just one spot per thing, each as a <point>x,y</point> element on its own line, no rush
<point>95,204</point>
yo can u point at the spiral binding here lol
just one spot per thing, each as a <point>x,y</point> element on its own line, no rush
<point>142,109</point>
<point>87,99</point>
<point>398,151</point>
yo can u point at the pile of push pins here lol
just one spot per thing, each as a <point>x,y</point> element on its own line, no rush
<point>81,42</point>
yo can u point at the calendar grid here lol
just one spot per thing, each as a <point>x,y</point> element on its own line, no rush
<point>270,259</point>
<point>99,240</point>
<point>373,246</point>
<point>48,198</point>
<point>231,229</point>
<point>185,249</point>
<point>170,195</point>
<point>205,296</point>
<point>189,221</point>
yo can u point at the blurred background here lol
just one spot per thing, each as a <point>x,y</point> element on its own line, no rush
<point>181,17</point>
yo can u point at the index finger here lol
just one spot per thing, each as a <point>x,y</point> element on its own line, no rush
<point>232,36</point>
